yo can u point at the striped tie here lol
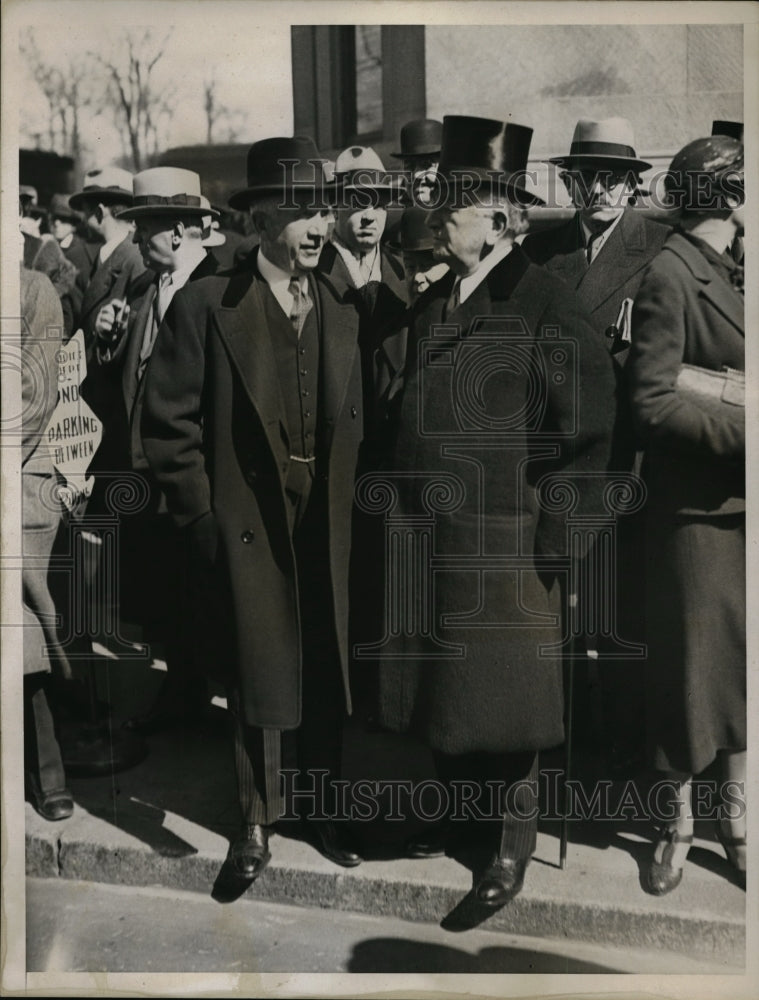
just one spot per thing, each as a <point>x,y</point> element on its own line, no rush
<point>301,305</point>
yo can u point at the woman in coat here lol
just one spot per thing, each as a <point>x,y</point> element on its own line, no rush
<point>41,333</point>
<point>689,311</point>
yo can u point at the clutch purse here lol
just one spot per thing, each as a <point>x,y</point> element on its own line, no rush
<point>710,389</point>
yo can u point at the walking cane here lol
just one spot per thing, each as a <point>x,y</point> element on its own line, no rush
<point>570,668</point>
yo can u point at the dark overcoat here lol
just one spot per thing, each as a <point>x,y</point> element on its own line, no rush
<point>688,312</point>
<point>514,386</point>
<point>614,275</point>
<point>123,275</point>
<point>215,435</point>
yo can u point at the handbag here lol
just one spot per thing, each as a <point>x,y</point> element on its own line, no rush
<point>719,392</point>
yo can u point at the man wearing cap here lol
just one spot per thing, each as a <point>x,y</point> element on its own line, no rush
<point>494,400</point>
<point>252,424</point>
<point>118,271</point>
<point>168,213</point>
<point>603,252</point>
<point>361,270</point>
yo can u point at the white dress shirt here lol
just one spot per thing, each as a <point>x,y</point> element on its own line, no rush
<point>279,281</point>
<point>463,287</point>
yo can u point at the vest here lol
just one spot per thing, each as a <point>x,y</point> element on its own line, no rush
<point>298,367</point>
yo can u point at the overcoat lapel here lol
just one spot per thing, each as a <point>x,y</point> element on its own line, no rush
<point>728,301</point>
<point>143,317</point>
<point>336,306</point>
<point>622,257</point>
<point>242,326</point>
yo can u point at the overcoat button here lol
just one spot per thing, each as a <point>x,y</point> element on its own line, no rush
<point>354,411</point>
<point>247,537</point>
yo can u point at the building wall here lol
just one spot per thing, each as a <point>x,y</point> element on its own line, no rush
<point>669,80</point>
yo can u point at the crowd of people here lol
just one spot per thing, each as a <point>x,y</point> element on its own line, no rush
<point>463,374</point>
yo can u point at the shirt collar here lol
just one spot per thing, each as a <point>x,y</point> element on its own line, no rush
<point>604,234</point>
<point>107,248</point>
<point>274,276</point>
<point>468,284</point>
<point>352,261</point>
<point>66,241</point>
<point>182,273</point>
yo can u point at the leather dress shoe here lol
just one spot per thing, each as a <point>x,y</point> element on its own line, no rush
<point>335,843</point>
<point>249,853</point>
<point>51,806</point>
<point>431,843</point>
<point>500,882</point>
<point>662,877</point>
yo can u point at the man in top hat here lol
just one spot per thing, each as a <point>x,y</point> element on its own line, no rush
<point>118,271</point>
<point>603,253</point>
<point>420,154</point>
<point>252,424</point>
<point>168,215</point>
<point>494,399</point>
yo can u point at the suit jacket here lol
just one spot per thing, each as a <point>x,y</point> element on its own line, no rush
<point>514,384</point>
<point>382,329</point>
<point>687,313</point>
<point>123,275</point>
<point>215,434</point>
<point>614,275</point>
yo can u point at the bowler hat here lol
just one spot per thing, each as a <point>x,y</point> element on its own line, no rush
<point>61,209</point>
<point>281,164</point>
<point>413,235</point>
<point>166,191</point>
<point>721,126</point>
<point>421,137</point>
<point>106,185</point>
<point>609,142</point>
<point>491,152</point>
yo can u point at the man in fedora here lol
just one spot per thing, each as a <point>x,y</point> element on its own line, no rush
<point>420,154</point>
<point>252,424</point>
<point>493,399</point>
<point>603,253</point>
<point>118,271</point>
<point>168,214</point>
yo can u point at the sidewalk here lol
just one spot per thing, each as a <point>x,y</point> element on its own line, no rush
<point>167,822</point>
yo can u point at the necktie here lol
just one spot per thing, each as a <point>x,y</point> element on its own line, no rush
<point>592,243</point>
<point>301,305</point>
<point>453,299</point>
<point>160,304</point>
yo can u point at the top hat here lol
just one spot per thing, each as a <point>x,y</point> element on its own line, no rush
<point>61,209</point>
<point>421,137</point>
<point>281,164</point>
<point>608,143</point>
<point>492,152</point>
<point>721,126</point>
<point>166,191</point>
<point>105,185</point>
<point>414,235</point>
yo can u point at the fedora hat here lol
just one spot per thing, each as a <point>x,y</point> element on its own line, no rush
<point>721,126</point>
<point>421,137</point>
<point>281,164</point>
<point>104,184</point>
<point>413,233</point>
<point>61,209</point>
<point>609,142</point>
<point>166,191</point>
<point>492,152</point>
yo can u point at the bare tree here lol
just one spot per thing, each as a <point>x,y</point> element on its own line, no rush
<point>68,91</point>
<point>142,109</point>
<point>220,116</point>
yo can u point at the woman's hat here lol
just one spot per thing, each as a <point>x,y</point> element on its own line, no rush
<point>703,174</point>
<point>491,152</point>
<point>609,143</point>
<point>166,191</point>
<point>106,185</point>
<point>281,164</point>
<point>421,137</point>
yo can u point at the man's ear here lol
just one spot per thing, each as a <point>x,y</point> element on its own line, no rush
<point>567,181</point>
<point>177,233</point>
<point>499,224</point>
<point>100,214</point>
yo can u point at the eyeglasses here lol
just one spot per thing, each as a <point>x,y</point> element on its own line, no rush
<point>607,178</point>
